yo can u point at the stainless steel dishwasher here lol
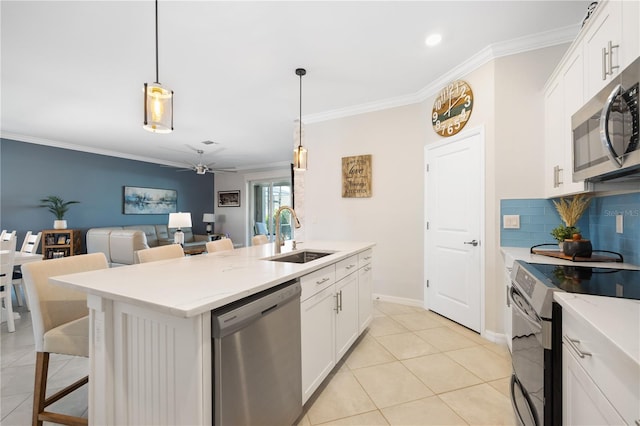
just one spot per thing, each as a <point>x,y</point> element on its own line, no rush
<point>256,359</point>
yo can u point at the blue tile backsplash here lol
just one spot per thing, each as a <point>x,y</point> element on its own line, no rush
<point>539,216</point>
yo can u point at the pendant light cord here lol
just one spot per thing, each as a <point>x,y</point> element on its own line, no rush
<point>157,72</point>
<point>300,118</point>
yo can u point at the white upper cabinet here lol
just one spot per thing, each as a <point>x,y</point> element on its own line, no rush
<point>611,42</point>
<point>608,43</point>
<point>630,32</point>
<point>602,46</point>
<point>563,97</point>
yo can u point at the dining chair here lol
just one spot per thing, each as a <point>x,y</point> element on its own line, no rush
<point>170,251</point>
<point>30,246</point>
<point>257,240</point>
<point>8,241</point>
<point>60,320</point>
<point>6,271</point>
<point>219,245</point>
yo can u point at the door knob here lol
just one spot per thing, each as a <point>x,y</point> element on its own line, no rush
<point>472,242</point>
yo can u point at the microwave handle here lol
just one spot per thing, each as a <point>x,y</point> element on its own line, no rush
<point>604,128</point>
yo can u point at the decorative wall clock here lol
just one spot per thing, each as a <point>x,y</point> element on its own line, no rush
<point>452,108</point>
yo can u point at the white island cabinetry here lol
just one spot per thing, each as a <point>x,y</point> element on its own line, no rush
<point>336,307</point>
<point>150,340</point>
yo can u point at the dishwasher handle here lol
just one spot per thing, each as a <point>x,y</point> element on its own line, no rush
<point>237,315</point>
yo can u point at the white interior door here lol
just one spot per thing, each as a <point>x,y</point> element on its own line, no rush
<point>454,184</point>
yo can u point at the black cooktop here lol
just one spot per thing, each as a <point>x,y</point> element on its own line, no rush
<point>613,282</point>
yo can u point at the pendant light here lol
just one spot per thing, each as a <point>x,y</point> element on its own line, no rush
<point>158,101</point>
<point>300,152</point>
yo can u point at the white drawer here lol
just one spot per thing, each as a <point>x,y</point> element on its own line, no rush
<point>346,267</point>
<point>317,281</point>
<point>615,373</point>
<point>364,258</point>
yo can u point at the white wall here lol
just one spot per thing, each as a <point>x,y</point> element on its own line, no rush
<point>393,216</point>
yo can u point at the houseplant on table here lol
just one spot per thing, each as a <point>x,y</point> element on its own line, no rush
<point>570,212</point>
<point>58,207</point>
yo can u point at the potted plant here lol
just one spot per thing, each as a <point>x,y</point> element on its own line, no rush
<point>564,232</point>
<point>58,207</point>
<point>570,212</point>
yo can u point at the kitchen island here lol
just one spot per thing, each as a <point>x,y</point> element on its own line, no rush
<point>150,327</point>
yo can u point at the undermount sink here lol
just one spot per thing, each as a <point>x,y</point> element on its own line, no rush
<point>302,256</point>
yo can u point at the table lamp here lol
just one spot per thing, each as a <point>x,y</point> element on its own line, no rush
<point>179,220</point>
<point>209,218</point>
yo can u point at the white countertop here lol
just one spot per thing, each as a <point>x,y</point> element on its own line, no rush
<point>192,285</point>
<point>511,254</point>
<point>617,319</point>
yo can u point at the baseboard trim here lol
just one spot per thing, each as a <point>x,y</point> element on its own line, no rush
<point>399,300</point>
<point>492,336</point>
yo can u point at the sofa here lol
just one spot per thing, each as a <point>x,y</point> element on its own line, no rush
<point>120,243</point>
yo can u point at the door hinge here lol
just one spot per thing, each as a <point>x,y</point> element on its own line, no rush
<point>427,167</point>
<point>427,283</point>
<point>427,226</point>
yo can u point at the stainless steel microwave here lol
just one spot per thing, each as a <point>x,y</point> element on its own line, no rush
<point>605,132</point>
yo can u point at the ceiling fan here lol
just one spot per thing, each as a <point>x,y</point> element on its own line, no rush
<point>201,167</point>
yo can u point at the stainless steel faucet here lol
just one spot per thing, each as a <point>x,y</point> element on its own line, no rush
<point>296,223</point>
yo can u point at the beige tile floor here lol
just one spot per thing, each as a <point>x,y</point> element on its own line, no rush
<point>412,367</point>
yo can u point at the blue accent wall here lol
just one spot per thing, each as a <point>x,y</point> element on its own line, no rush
<point>30,172</point>
<point>539,216</point>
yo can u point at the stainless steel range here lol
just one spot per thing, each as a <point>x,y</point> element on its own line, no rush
<point>536,383</point>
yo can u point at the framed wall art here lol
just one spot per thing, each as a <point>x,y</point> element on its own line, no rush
<point>139,200</point>
<point>229,198</point>
<point>356,176</point>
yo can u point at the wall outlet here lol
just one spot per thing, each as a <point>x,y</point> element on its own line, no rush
<point>619,224</point>
<point>511,221</point>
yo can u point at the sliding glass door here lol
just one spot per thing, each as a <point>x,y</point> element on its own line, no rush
<point>267,196</point>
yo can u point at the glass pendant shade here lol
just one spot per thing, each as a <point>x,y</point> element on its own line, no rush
<point>158,108</point>
<point>300,158</point>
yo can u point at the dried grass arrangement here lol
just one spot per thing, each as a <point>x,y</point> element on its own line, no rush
<point>571,211</point>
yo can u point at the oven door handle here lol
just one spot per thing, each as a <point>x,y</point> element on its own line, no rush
<point>515,304</point>
<point>515,382</point>
<point>604,127</point>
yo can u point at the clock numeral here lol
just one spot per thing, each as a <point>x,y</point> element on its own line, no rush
<point>434,117</point>
<point>467,102</point>
<point>439,103</point>
<point>437,124</point>
<point>457,123</point>
<point>463,114</point>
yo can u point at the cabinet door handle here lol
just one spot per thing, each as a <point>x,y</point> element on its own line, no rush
<point>340,304</point>
<point>349,267</point>
<point>337,308</point>
<point>604,63</point>
<point>556,177</point>
<point>573,344</point>
<point>611,66</point>
<point>367,268</point>
<point>637,422</point>
<point>324,280</point>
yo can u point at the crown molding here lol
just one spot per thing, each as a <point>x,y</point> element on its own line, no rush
<point>81,148</point>
<point>511,47</point>
<point>84,148</point>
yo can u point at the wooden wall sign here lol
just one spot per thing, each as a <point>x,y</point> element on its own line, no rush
<point>356,176</point>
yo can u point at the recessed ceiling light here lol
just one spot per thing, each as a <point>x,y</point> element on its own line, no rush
<point>433,39</point>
